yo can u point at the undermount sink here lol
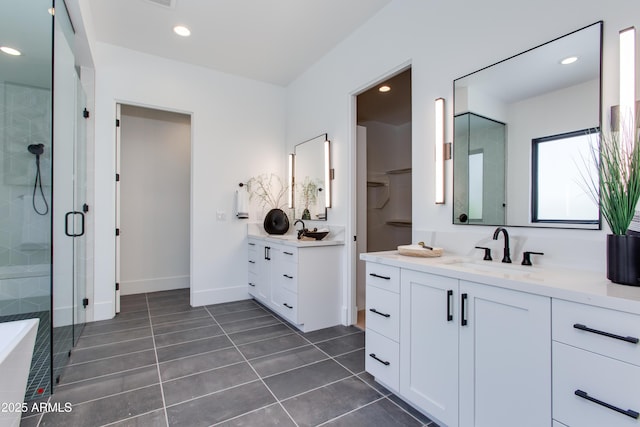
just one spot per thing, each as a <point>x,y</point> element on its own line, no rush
<point>496,268</point>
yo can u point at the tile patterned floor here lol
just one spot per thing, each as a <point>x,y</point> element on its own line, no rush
<point>161,362</point>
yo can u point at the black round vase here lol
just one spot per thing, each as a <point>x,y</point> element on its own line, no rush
<point>276,222</point>
<point>623,259</point>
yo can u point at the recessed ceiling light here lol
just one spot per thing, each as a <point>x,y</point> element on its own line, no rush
<point>384,88</point>
<point>569,60</point>
<point>182,31</point>
<point>10,51</point>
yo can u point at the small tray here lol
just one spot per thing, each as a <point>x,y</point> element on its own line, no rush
<point>419,251</point>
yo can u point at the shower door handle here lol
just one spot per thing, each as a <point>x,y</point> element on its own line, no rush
<point>66,223</point>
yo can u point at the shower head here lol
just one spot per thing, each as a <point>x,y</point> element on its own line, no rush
<point>36,149</point>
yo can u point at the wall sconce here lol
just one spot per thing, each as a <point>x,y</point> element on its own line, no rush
<point>627,113</point>
<point>328,173</point>
<point>292,180</point>
<point>439,146</point>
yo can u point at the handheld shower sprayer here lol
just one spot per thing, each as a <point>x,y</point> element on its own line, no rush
<point>38,150</point>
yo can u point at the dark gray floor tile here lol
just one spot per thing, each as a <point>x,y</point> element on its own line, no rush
<point>125,316</point>
<point>343,344</point>
<point>369,379</point>
<point>259,334</point>
<point>187,388</point>
<point>410,409</point>
<point>199,363</point>
<point>34,407</point>
<point>231,307</point>
<point>150,419</point>
<point>328,333</point>
<point>328,402</point>
<point>179,317</point>
<point>240,315</point>
<point>183,326</point>
<point>31,421</point>
<point>107,410</point>
<point>108,350</point>
<point>96,388</point>
<point>132,334</point>
<point>382,413</point>
<point>273,345</point>
<point>170,302</point>
<point>171,293</point>
<point>353,361</point>
<point>134,307</point>
<point>244,325</point>
<point>109,326</point>
<point>133,298</point>
<point>287,360</point>
<point>188,335</point>
<point>303,379</point>
<point>272,415</point>
<point>171,309</point>
<point>193,347</point>
<point>112,365</point>
<point>219,407</point>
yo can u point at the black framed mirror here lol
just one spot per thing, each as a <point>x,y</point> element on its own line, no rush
<point>309,179</point>
<point>551,90</point>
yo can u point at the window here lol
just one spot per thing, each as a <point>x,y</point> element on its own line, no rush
<point>560,165</point>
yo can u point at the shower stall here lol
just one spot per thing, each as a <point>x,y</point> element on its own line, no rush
<point>42,156</point>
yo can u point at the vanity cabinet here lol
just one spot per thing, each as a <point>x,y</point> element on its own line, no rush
<point>300,283</point>
<point>472,354</point>
<point>596,365</point>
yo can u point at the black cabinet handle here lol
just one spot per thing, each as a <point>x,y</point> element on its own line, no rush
<point>449,303</point>
<point>379,276</point>
<point>287,276</point>
<point>288,253</point>
<point>287,305</point>
<point>384,362</point>
<point>463,310</point>
<point>251,284</point>
<point>373,310</point>
<point>251,262</point>
<point>252,244</point>
<point>628,412</point>
<point>632,340</point>
<point>267,253</point>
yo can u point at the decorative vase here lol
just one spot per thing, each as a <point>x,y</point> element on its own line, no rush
<point>276,222</point>
<point>623,259</point>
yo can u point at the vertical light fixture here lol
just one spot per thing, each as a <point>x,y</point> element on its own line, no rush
<point>439,146</point>
<point>292,183</point>
<point>327,173</point>
<point>627,112</point>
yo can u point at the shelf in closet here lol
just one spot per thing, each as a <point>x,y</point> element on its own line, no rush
<point>374,184</point>
<point>399,222</point>
<point>399,171</point>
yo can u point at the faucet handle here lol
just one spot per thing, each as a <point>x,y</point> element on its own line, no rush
<point>487,253</point>
<point>526,257</point>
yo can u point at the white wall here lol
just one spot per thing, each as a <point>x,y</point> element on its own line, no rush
<point>443,41</point>
<point>237,132</point>
<point>155,175</point>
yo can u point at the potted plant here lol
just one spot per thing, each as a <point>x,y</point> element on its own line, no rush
<point>270,191</point>
<point>309,195</point>
<point>617,190</point>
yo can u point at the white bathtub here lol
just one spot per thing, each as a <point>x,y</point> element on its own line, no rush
<point>17,340</point>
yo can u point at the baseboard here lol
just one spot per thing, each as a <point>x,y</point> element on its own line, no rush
<point>219,295</point>
<point>103,311</point>
<point>62,316</point>
<point>153,285</point>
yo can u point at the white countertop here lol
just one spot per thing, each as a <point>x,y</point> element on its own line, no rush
<point>334,238</point>
<point>572,285</point>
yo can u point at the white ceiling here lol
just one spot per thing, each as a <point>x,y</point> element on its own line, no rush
<point>267,40</point>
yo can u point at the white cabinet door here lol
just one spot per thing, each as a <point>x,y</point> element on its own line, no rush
<point>505,357</point>
<point>429,344</point>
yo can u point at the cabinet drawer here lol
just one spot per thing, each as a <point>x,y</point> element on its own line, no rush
<point>253,284</point>
<point>383,312</point>
<point>383,276</point>
<point>601,330</point>
<point>289,276</point>
<point>382,357</point>
<point>610,381</point>
<point>289,254</point>
<point>287,304</point>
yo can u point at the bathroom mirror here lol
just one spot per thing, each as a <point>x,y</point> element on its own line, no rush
<point>309,179</point>
<point>502,111</point>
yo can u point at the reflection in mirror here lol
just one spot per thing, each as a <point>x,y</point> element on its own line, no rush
<point>502,109</point>
<point>309,179</point>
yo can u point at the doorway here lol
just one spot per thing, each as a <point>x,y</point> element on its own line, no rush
<point>383,177</point>
<point>153,199</point>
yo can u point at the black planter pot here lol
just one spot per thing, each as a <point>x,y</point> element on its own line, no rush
<point>276,222</point>
<point>623,259</point>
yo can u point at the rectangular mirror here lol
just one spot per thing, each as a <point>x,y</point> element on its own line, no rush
<point>309,180</point>
<point>504,111</point>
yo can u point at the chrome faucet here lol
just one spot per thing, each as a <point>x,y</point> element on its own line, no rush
<point>300,232</point>
<point>507,256</point>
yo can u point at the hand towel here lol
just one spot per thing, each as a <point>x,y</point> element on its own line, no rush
<point>242,203</point>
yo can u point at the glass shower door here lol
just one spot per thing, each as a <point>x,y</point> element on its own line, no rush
<point>80,209</point>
